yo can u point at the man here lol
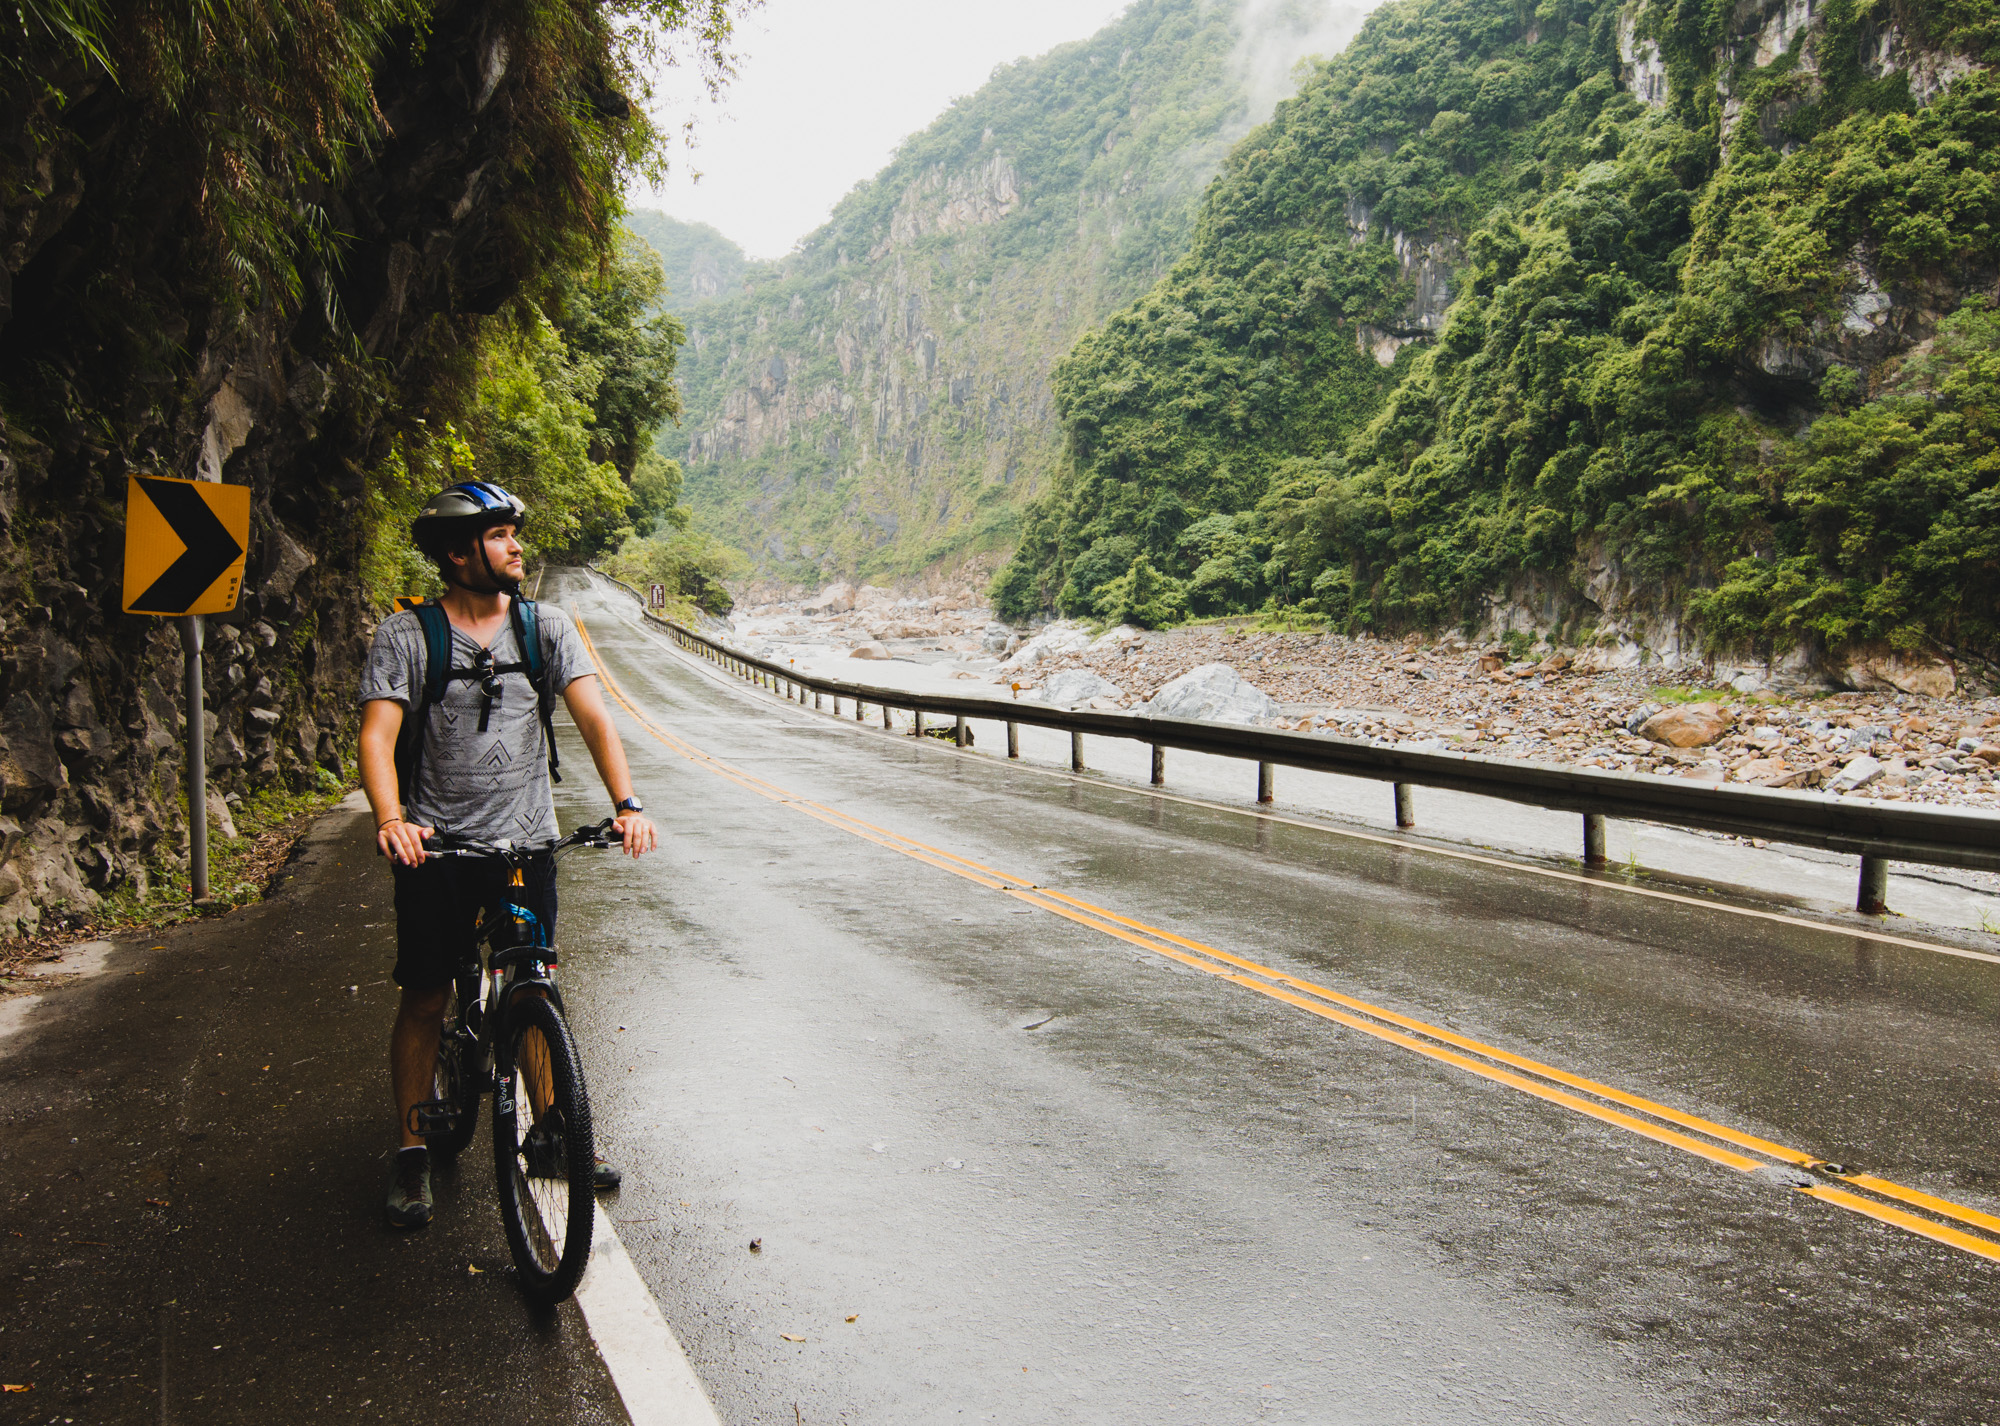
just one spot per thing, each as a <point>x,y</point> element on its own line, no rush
<point>479,768</point>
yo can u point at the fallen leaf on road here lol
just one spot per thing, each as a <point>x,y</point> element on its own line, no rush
<point>16,1386</point>
<point>159,1203</point>
<point>787,1336</point>
<point>474,1268</point>
<point>852,1316</point>
<point>756,1245</point>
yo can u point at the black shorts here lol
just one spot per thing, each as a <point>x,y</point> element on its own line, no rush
<point>438,906</point>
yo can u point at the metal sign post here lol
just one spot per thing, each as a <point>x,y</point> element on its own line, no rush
<point>197,759</point>
<point>185,542</point>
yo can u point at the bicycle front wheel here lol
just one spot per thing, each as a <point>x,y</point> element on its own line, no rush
<point>544,1152</point>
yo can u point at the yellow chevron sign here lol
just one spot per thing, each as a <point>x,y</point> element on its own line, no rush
<point>184,545</point>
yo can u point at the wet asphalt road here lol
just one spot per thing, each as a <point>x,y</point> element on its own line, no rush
<point>1051,1175</point>
<point>1054,1177</point>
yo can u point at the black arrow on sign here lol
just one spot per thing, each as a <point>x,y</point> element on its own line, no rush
<point>211,549</point>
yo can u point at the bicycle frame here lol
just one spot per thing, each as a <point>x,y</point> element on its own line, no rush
<point>521,967</point>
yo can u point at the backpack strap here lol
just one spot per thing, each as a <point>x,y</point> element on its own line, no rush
<point>437,672</point>
<point>528,634</point>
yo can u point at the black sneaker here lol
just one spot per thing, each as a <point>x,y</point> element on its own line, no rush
<point>544,1153</point>
<point>409,1204</point>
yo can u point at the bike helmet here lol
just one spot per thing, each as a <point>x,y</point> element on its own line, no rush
<point>463,512</point>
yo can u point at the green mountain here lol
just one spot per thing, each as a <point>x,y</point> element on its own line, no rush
<point>1656,322</point>
<point>880,399</point>
<point>700,263</point>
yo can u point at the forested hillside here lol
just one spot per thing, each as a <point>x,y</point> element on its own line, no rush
<point>881,399</point>
<point>340,254</point>
<point>1657,323</point>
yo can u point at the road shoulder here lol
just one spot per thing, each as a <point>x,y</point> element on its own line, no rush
<point>195,1144</point>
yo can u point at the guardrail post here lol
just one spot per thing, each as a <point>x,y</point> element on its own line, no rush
<point>1013,740</point>
<point>959,733</point>
<point>1593,839</point>
<point>1406,813</point>
<point>1159,766</point>
<point>860,710</point>
<point>886,722</point>
<point>1873,899</point>
<point>1266,777</point>
<point>916,722</point>
<point>816,702</point>
<point>1076,752</point>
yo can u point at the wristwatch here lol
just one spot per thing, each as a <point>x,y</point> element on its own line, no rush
<point>630,804</point>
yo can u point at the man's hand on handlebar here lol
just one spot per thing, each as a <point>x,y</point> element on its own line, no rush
<point>636,833</point>
<point>402,841</point>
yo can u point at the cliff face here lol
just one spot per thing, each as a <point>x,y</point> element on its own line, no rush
<point>118,355</point>
<point>881,399</point>
<point>1653,328</point>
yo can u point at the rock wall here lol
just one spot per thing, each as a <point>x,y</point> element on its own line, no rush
<point>166,377</point>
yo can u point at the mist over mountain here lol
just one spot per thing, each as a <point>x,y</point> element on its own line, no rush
<point>880,399</point>
<point>700,263</point>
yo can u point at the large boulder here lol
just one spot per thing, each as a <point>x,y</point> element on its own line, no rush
<point>834,599</point>
<point>1062,637</point>
<point>1858,773</point>
<point>870,650</point>
<point>1687,725</point>
<point>1071,686</point>
<point>1214,693</point>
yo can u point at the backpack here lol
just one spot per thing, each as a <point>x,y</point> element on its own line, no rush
<point>438,674</point>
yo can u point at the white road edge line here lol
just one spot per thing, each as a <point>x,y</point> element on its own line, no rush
<point>647,1365</point>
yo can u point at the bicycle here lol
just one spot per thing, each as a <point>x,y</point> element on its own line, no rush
<point>505,1034</point>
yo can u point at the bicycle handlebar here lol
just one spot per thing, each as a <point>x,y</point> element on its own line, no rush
<point>598,834</point>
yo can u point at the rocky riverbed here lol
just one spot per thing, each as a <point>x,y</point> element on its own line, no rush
<point>1727,725</point>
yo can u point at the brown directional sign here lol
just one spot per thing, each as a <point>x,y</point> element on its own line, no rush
<point>184,545</point>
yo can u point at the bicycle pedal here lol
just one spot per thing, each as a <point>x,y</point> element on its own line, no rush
<point>433,1118</point>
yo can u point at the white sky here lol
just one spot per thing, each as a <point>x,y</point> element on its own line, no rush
<point>824,92</point>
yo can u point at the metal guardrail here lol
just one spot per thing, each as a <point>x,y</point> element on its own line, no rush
<point>1877,832</point>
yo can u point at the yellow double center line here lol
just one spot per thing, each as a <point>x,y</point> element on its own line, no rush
<point>1718,1143</point>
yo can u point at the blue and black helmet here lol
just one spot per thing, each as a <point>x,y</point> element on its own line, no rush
<point>461,512</point>
<point>468,508</point>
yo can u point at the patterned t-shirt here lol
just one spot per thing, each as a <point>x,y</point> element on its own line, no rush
<point>490,785</point>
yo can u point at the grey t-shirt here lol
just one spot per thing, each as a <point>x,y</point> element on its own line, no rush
<point>489,786</point>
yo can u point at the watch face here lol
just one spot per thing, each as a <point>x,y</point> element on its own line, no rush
<point>631,804</point>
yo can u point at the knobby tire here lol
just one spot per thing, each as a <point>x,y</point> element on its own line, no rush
<point>547,1201</point>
